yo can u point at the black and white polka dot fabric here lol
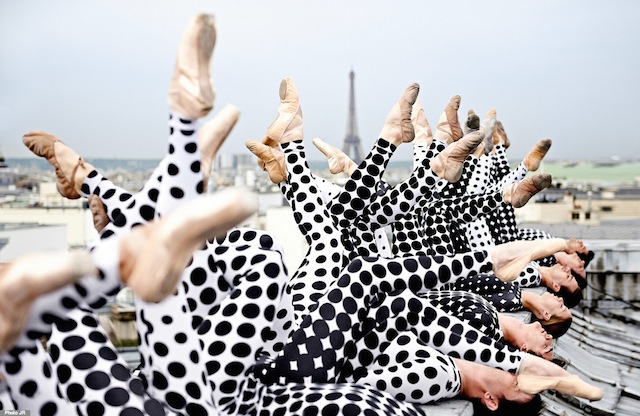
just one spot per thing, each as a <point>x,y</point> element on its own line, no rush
<point>504,296</point>
<point>375,300</point>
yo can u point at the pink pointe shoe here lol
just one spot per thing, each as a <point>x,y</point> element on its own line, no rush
<point>398,127</point>
<point>448,129</point>
<point>534,157</point>
<point>100,218</point>
<point>518,194</point>
<point>571,385</point>
<point>191,93</point>
<point>339,162</point>
<point>211,136</point>
<point>287,126</point>
<point>420,125</point>
<point>69,167</point>
<point>153,256</point>
<point>270,159</point>
<point>449,163</point>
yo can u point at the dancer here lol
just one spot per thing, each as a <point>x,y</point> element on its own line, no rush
<point>150,261</point>
<point>82,277</point>
<point>501,223</point>
<point>374,301</point>
<point>320,266</point>
<point>379,405</point>
<point>186,217</point>
<point>549,310</point>
<point>306,194</point>
<point>435,221</point>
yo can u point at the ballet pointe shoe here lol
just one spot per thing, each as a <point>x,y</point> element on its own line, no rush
<point>100,218</point>
<point>30,276</point>
<point>448,164</point>
<point>518,194</point>
<point>448,129</point>
<point>421,126</point>
<point>211,136</point>
<point>339,162</point>
<point>153,257</point>
<point>489,125</point>
<point>191,92</point>
<point>500,136</point>
<point>397,127</point>
<point>571,385</point>
<point>472,123</point>
<point>534,157</point>
<point>509,259</point>
<point>70,169</point>
<point>287,126</point>
<point>270,159</point>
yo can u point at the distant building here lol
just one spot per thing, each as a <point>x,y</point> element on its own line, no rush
<point>22,238</point>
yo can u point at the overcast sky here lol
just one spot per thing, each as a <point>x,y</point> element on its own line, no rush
<point>96,73</point>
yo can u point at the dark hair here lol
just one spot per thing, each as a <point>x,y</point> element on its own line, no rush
<point>508,408</point>
<point>587,257</point>
<point>556,328</point>
<point>570,298</point>
<point>582,282</point>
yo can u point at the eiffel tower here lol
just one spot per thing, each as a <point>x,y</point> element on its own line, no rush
<point>352,146</point>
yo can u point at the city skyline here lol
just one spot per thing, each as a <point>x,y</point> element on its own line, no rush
<point>96,74</point>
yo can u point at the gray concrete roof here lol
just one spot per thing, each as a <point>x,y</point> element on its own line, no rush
<point>607,230</point>
<point>606,354</point>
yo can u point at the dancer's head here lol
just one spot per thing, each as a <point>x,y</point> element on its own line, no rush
<point>559,277</point>
<point>581,280</point>
<point>564,284</point>
<point>571,298</point>
<point>508,408</point>
<point>553,314</point>
<point>489,386</point>
<point>507,394</point>
<point>557,327</point>
<point>536,340</point>
<point>560,280</point>
<point>587,257</point>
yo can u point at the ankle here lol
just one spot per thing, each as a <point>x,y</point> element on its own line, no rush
<point>548,247</point>
<point>421,141</point>
<point>391,133</point>
<point>80,175</point>
<point>294,131</point>
<point>479,150</point>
